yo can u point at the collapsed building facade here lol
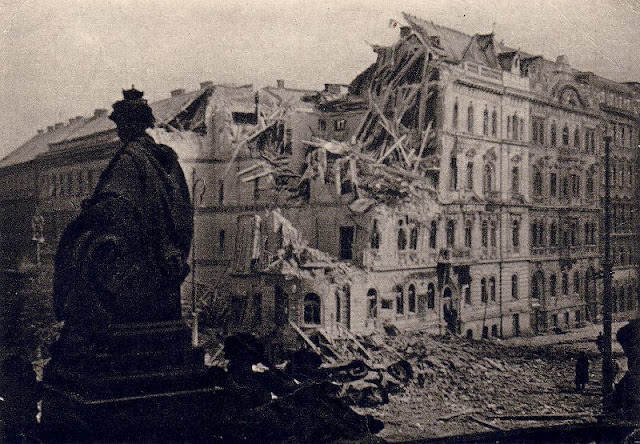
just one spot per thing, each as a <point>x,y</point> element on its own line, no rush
<point>455,185</point>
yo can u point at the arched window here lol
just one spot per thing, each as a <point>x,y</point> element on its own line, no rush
<point>470,118</point>
<point>515,234</point>
<point>399,299</point>
<point>493,234</point>
<point>485,122</point>
<point>514,286</point>
<point>413,238</point>
<point>412,298</point>
<point>492,288</point>
<point>554,134</point>
<point>454,120</point>
<point>488,178</point>
<point>565,135</point>
<point>494,123</point>
<point>537,285</point>
<point>552,285</point>
<point>433,234</point>
<point>552,234</point>
<point>576,282</point>
<point>515,180</point>
<point>485,234</point>
<point>537,182</point>
<point>467,233</point>
<point>221,241</point>
<point>372,304</point>
<point>375,235</point>
<point>576,139</point>
<point>565,284</point>
<point>467,294</point>
<point>514,126</point>
<point>451,233</point>
<point>589,183</point>
<point>402,236</point>
<point>483,290</point>
<point>312,309</point>
<point>431,296</point>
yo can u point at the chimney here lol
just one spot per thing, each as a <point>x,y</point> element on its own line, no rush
<point>177,92</point>
<point>40,131</point>
<point>99,112</point>
<point>280,83</point>
<point>405,31</point>
<point>206,84</point>
<point>58,125</point>
<point>49,128</point>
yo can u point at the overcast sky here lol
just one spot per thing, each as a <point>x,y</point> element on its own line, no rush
<point>59,59</point>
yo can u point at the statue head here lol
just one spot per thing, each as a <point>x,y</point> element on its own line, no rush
<point>132,115</point>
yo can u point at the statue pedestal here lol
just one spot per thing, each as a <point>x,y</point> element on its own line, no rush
<point>144,382</point>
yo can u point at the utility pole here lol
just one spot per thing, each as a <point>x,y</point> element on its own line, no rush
<point>607,364</point>
<point>195,181</point>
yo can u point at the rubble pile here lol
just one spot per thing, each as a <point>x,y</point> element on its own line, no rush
<point>422,386</point>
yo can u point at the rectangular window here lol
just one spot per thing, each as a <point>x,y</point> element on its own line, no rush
<point>322,124</point>
<point>340,124</point>
<point>346,242</point>
<point>553,184</point>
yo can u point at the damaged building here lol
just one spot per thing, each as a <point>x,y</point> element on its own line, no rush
<point>455,185</point>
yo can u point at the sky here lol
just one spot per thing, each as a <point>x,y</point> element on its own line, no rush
<point>60,58</point>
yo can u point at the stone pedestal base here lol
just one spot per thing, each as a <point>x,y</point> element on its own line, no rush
<point>145,383</point>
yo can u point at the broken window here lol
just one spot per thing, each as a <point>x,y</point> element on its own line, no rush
<point>257,308</point>
<point>399,299</point>
<point>514,286</point>
<point>346,242</point>
<point>485,332</point>
<point>338,307</point>
<point>402,236</point>
<point>565,135</point>
<point>375,235</point>
<point>412,298</point>
<point>552,285</point>
<point>565,284</point>
<point>372,304</point>
<point>576,139</point>
<point>494,331</point>
<point>241,118</point>
<point>576,282</point>
<point>281,306</point>
<point>431,296</point>
<point>340,125</point>
<point>312,309</point>
<point>322,124</point>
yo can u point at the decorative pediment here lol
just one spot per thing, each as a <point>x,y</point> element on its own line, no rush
<point>470,152</point>
<point>516,158</point>
<point>490,155</point>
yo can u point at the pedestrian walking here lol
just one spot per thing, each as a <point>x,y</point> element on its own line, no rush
<point>582,371</point>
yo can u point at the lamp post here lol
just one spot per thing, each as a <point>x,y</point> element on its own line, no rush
<point>607,364</point>
<point>195,200</point>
